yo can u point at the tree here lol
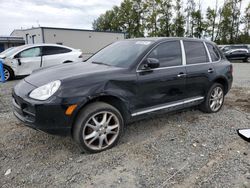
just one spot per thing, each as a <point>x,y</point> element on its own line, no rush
<point>151,17</point>
<point>154,18</point>
<point>165,13</point>
<point>189,22</point>
<point>226,23</point>
<point>179,21</point>
<point>246,20</point>
<point>109,21</point>
<point>210,24</point>
<point>197,23</point>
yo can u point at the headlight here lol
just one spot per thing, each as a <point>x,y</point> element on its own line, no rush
<point>46,91</point>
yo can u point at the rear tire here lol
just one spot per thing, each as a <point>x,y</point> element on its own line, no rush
<point>98,127</point>
<point>214,99</point>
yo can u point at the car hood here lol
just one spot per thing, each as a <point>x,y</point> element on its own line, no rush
<point>2,56</point>
<point>67,72</point>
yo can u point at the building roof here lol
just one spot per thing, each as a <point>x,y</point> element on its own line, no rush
<point>71,29</point>
<point>11,39</point>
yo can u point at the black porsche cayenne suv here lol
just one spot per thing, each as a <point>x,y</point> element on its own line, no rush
<point>93,100</point>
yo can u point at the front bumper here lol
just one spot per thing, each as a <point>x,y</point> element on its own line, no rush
<point>46,116</point>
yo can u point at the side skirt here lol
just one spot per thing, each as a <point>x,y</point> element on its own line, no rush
<point>171,106</point>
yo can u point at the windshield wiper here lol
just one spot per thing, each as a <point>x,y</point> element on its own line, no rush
<point>100,63</point>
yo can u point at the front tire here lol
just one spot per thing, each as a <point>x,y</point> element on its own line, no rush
<point>214,99</point>
<point>98,127</point>
<point>8,73</point>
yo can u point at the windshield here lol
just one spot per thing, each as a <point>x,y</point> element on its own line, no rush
<point>120,54</point>
<point>5,51</point>
<point>10,52</point>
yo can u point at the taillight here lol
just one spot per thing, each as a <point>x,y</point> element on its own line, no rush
<point>231,69</point>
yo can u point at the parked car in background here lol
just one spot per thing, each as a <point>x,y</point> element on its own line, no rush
<point>22,60</point>
<point>238,54</point>
<point>92,101</point>
<point>225,48</point>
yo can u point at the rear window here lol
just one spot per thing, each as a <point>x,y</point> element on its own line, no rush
<point>195,52</point>
<point>213,52</point>
<point>52,50</point>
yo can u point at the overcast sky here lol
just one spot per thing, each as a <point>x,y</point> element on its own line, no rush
<point>58,13</point>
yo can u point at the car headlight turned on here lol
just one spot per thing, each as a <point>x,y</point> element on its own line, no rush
<point>46,91</point>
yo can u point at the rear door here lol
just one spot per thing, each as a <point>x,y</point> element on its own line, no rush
<point>199,68</point>
<point>164,84</point>
<point>28,60</point>
<point>54,55</point>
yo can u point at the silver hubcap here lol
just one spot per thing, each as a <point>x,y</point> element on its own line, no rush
<point>216,99</point>
<point>101,130</point>
<point>248,59</point>
<point>6,74</point>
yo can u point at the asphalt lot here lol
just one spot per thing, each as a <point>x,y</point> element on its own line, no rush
<point>183,149</point>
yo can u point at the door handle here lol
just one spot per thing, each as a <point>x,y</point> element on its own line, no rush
<point>210,70</point>
<point>181,74</point>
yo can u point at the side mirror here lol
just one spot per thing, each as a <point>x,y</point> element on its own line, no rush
<point>17,57</point>
<point>151,63</point>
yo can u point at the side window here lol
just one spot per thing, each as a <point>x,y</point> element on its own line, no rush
<point>195,52</point>
<point>32,52</point>
<point>213,52</point>
<point>52,50</point>
<point>168,53</point>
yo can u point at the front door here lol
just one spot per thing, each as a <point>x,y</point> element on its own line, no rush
<point>28,60</point>
<point>165,84</point>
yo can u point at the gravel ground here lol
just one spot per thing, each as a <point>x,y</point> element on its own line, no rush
<point>182,149</point>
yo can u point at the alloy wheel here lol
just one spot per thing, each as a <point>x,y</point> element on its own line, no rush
<point>216,99</point>
<point>101,130</point>
<point>6,74</point>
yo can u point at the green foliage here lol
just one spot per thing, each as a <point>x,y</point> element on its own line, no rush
<point>179,21</point>
<point>139,18</point>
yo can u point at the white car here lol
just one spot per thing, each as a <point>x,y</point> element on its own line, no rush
<point>22,60</point>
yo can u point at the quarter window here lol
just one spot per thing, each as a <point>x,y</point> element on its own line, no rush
<point>32,52</point>
<point>195,52</point>
<point>52,50</point>
<point>213,52</point>
<point>168,54</point>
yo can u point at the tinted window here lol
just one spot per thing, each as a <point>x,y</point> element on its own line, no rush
<point>52,50</point>
<point>213,52</point>
<point>168,53</point>
<point>239,52</point>
<point>195,52</point>
<point>32,52</point>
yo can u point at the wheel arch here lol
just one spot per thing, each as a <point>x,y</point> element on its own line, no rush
<point>223,81</point>
<point>113,100</point>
